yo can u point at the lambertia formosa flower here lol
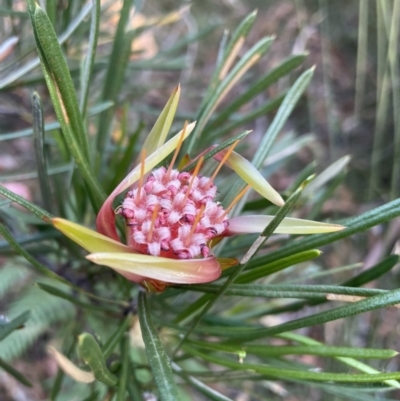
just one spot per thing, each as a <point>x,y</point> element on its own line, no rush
<point>172,216</point>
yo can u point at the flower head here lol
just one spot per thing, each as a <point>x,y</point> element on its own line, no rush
<point>172,216</point>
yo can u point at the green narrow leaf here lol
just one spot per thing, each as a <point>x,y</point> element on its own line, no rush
<point>214,151</point>
<point>245,63</point>
<point>267,269</point>
<point>120,163</point>
<point>36,210</point>
<point>64,168</point>
<point>7,328</point>
<point>41,160</point>
<point>123,378</point>
<point>230,348</point>
<point>220,59</point>
<point>357,224</point>
<point>296,374</point>
<point>158,359</point>
<point>209,392</point>
<point>157,64</point>
<point>69,346</point>
<point>382,98</point>
<point>6,248</point>
<point>323,350</point>
<point>58,68</point>
<point>227,54</point>
<point>193,309</point>
<point>57,383</point>
<point>133,385</point>
<point>115,338</point>
<point>393,55</point>
<point>64,99</point>
<point>390,298</point>
<point>233,48</point>
<point>115,68</point>
<point>292,97</point>
<point>55,125</point>
<point>360,279</point>
<point>21,251</point>
<point>123,66</point>
<point>260,85</point>
<point>13,372</point>
<point>348,361</point>
<point>248,117</point>
<point>90,352</point>
<point>281,350</point>
<point>328,99</point>
<point>373,272</point>
<point>287,291</point>
<point>188,39</point>
<point>157,136</point>
<point>8,81</point>
<point>51,11</point>
<point>90,56</point>
<point>362,58</point>
<point>327,193</point>
<point>6,12</point>
<point>328,174</point>
<point>72,298</point>
<point>301,176</point>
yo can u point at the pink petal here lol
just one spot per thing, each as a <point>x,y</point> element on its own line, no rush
<point>138,267</point>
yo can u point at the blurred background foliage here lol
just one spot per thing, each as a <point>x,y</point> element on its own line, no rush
<point>350,107</point>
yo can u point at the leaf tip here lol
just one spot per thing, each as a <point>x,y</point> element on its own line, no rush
<point>307,181</point>
<point>346,158</point>
<point>279,200</point>
<point>92,257</point>
<point>337,227</point>
<point>70,368</point>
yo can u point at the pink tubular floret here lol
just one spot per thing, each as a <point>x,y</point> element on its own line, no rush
<point>175,229</point>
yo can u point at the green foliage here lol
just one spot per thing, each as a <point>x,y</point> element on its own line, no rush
<point>12,274</point>
<point>91,353</point>
<point>156,354</point>
<point>164,343</point>
<point>46,311</point>
<point>7,328</point>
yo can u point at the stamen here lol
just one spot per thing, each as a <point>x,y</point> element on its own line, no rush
<point>194,175</point>
<point>153,221</point>
<point>142,161</point>
<point>177,149</point>
<point>233,203</point>
<point>221,163</point>
<point>195,222</point>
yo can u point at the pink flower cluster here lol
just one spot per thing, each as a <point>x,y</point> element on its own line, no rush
<point>173,215</point>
